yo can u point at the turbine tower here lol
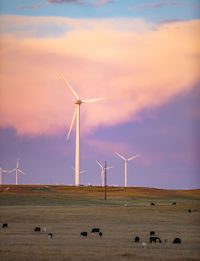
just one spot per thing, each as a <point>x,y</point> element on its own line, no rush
<point>103,172</point>
<point>125,167</point>
<point>17,170</point>
<point>76,115</point>
<point>1,172</point>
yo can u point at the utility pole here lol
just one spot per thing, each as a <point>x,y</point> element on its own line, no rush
<point>105,179</point>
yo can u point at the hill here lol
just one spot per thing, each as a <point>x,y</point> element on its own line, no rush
<point>69,195</point>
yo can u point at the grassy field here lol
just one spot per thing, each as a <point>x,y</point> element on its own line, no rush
<point>66,211</point>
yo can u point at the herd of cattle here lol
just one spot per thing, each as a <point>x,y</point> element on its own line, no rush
<point>152,238</point>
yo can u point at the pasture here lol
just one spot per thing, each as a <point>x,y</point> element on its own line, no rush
<point>66,211</point>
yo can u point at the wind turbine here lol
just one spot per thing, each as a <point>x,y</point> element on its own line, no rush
<point>1,172</point>
<point>125,167</point>
<point>76,115</point>
<point>17,170</point>
<point>102,172</point>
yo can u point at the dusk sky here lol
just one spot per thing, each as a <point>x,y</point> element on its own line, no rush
<point>145,54</point>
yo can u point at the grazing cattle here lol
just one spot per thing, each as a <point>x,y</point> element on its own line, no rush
<point>177,241</point>
<point>100,234</point>
<point>5,225</point>
<point>189,210</point>
<point>50,235</point>
<point>144,245</point>
<point>44,229</point>
<point>95,230</point>
<point>174,203</point>
<point>37,229</point>
<point>84,234</point>
<point>137,239</point>
<point>155,240</point>
<point>152,233</point>
<point>152,204</point>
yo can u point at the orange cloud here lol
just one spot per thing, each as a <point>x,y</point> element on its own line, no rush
<point>142,67</point>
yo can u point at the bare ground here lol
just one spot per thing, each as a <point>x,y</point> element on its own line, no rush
<point>67,211</point>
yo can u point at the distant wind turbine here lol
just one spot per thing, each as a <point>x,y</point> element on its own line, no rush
<point>17,170</point>
<point>125,167</point>
<point>76,115</point>
<point>103,172</point>
<point>1,172</point>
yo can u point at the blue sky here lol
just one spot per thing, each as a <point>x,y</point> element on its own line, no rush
<point>145,52</point>
<point>149,10</point>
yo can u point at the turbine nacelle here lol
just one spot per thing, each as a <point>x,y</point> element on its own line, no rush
<point>78,102</point>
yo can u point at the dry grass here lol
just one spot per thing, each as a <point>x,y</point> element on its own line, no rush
<point>67,211</point>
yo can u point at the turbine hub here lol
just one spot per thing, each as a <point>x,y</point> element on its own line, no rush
<point>78,102</point>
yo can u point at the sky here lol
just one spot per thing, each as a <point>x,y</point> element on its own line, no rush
<point>145,54</point>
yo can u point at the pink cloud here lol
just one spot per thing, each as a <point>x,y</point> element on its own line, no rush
<point>102,2</point>
<point>65,1</point>
<point>154,5</point>
<point>167,21</point>
<point>142,70</point>
<point>97,3</point>
<point>33,7</point>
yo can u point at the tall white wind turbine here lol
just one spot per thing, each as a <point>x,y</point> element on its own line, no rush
<point>125,167</point>
<point>76,115</point>
<point>102,172</point>
<point>1,172</point>
<point>17,170</point>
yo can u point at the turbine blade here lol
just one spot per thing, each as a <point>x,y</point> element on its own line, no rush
<point>120,155</point>
<point>80,171</point>
<point>109,168</point>
<point>3,170</point>
<point>12,170</point>
<point>99,164</point>
<point>83,171</point>
<point>21,171</point>
<point>72,123</point>
<point>95,100</point>
<point>134,157</point>
<point>68,85</point>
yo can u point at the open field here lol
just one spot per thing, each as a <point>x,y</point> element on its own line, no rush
<point>66,211</point>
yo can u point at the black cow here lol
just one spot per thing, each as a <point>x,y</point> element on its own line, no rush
<point>84,234</point>
<point>5,225</point>
<point>155,240</point>
<point>174,203</point>
<point>95,230</point>
<point>100,234</point>
<point>152,233</point>
<point>177,241</point>
<point>152,204</point>
<point>137,239</point>
<point>50,235</point>
<point>37,229</point>
<point>189,210</point>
